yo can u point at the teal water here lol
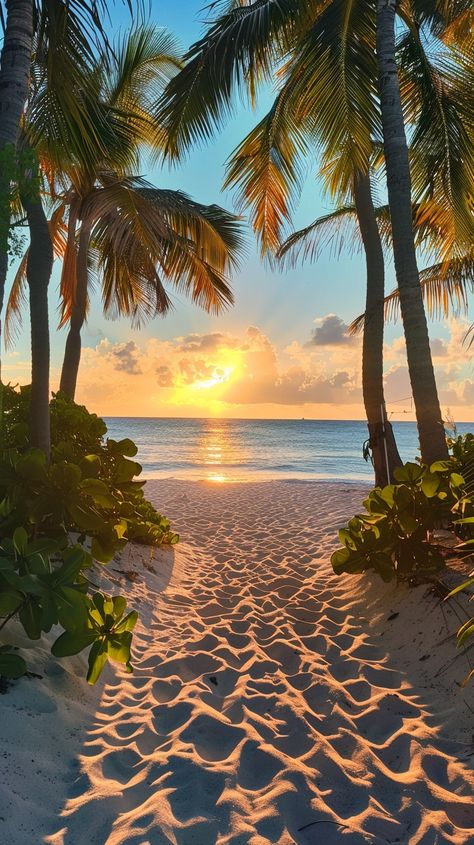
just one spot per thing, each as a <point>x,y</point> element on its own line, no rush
<point>240,450</point>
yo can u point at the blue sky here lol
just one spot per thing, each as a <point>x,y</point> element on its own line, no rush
<point>283,306</point>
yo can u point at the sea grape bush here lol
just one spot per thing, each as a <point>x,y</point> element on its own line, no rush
<point>392,537</point>
<point>88,491</point>
<point>45,585</point>
<point>90,486</point>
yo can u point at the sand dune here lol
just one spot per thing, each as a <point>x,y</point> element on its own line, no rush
<point>272,703</point>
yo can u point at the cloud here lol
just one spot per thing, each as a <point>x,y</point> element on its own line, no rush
<point>439,349</point>
<point>246,374</point>
<point>126,358</point>
<point>164,376</point>
<point>330,331</point>
<point>206,342</point>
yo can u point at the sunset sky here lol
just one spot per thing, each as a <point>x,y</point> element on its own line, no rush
<point>280,352</point>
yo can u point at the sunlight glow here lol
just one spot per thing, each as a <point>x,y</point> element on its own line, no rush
<point>221,374</point>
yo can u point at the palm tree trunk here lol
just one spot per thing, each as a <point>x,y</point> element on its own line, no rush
<point>72,353</point>
<point>38,273</point>
<point>385,455</point>
<point>14,84</point>
<point>428,413</point>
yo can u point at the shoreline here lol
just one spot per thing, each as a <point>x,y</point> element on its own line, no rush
<point>269,696</point>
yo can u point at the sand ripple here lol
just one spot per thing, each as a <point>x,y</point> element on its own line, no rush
<point>264,709</point>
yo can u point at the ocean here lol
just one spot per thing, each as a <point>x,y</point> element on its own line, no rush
<point>244,450</point>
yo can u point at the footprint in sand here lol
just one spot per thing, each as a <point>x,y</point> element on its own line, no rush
<point>119,765</point>
<point>168,718</point>
<point>212,739</point>
<point>164,691</point>
<point>257,767</point>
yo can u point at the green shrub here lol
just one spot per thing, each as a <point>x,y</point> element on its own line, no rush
<point>90,490</point>
<point>90,487</point>
<point>461,447</point>
<point>45,585</point>
<point>392,537</point>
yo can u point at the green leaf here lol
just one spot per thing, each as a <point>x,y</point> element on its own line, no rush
<point>66,476</point>
<point>72,642</point>
<point>97,661</point>
<point>410,472</point>
<point>104,548</point>
<point>128,622</point>
<point>460,587</point>
<point>32,465</point>
<point>407,523</point>
<point>456,480</point>
<point>430,484</point>
<point>90,466</point>
<point>85,518</point>
<point>20,540</point>
<point>30,617</point>
<point>118,647</point>
<point>442,466</point>
<point>10,600</point>
<point>98,491</point>
<point>12,665</point>
<point>72,607</point>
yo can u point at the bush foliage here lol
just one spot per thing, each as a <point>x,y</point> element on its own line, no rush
<point>88,492</point>
<point>392,537</point>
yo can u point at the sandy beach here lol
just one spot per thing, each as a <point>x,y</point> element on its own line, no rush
<point>272,703</point>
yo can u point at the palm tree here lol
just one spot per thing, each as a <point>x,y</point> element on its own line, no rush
<point>243,45</point>
<point>67,33</point>
<point>65,29</point>
<point>113,224</point>
<point>15,63</point>
<point>324,103</point>
<point>425,395</point>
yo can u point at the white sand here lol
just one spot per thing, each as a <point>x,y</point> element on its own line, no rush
<point>272,702</point>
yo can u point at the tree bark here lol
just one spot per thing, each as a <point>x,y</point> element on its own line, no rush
<point>38,273</point>
<point>14,85</point>
<point>72,352</point>
<point>425,396</point>
<point>385,456</point>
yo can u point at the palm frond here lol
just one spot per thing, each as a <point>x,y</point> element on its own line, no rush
<point>268,170</point>
<point>445,287</point>
<point>336,231</point>
<point>243,44</point>
<point>442,164</point>
<point>337,87</point>
<point>17,299</point>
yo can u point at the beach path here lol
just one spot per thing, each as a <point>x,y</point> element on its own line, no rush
<point>266,708</point>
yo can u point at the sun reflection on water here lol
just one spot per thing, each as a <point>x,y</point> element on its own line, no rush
<point>219,452</point>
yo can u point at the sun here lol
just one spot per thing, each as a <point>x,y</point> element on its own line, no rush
<point>219,376</point>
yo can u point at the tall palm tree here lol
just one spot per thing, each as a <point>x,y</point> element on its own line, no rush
<point>15,63</point>
<point>113,224</point>
<point>327,102</point>
<point>66,33</point>
<point>425,395</point>
<point>65,29</point>
<point>243,45</point>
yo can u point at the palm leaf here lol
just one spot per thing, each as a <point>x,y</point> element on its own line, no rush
<point>243,44</point>
<point>441,148</point>
<point>267,169</point>
<point>445,287</point>
<point>336,231</point>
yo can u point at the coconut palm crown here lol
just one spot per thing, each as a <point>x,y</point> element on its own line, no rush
<point>108,223</point>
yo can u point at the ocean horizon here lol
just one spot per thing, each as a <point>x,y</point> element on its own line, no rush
<point>222,450</point>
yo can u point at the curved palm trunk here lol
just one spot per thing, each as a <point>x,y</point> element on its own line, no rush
<point>382,441</point>
<point>14,84</point>
<point>38,274</point>
<point>428,413</point>
<point>72,353</point>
